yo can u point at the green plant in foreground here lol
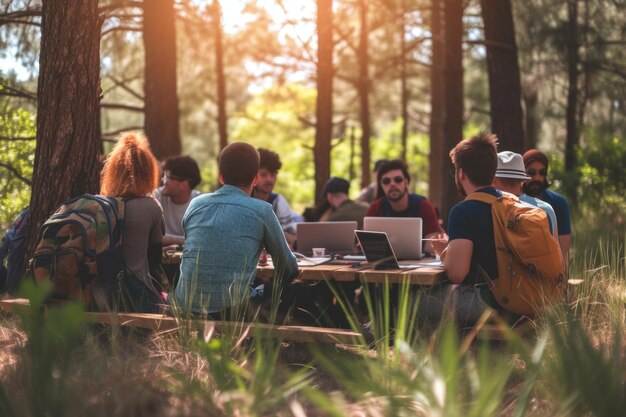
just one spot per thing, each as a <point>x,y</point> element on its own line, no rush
<point>52,340</point>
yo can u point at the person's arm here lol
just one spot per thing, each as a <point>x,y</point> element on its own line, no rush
<point>456,257</point>
<point>429,218</point>
<point>285,264</point>
<point>169,240</point>
<point>284,214</point>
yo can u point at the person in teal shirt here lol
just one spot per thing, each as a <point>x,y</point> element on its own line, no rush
<point>225,233</point>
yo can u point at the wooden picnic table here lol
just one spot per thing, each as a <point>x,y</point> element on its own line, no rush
<point>416,276</point>
<point>425,276</point>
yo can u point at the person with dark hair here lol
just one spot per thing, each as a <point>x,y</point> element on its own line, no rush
<point>336,192</point>
<point>268,173</point>
<point>180,176</point>
<point>395,200</point>
<point>470,249</point>
<point>536,163</point>
<point>131,171</point>
<point>225,233</point>
<point>369,193</point>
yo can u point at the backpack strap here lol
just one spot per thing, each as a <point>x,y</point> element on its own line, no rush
<point>482,197</point>
<point>272,198</point>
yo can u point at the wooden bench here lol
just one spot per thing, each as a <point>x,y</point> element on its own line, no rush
<point>164,323</point>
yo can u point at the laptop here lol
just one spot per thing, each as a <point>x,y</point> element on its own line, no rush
<point>405,234</point>
<point>335,237</point>
<point>378,251</point>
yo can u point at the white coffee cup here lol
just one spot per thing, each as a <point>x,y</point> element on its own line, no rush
<point>317,252</point>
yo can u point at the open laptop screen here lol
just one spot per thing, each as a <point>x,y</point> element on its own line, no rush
<point>335,237</point>
<point>405,234</point>
<point>377,249</point>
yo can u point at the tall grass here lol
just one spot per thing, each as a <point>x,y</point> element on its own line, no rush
<point>573,366</point>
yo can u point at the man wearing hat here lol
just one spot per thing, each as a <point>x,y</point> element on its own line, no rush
<point>180,176</point>
<point>510,177</point>
<point>336,192</point>
<point>536,163</point>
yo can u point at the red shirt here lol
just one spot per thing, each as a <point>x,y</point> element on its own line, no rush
<point>425,210</point>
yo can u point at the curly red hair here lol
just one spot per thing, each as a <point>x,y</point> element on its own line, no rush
<point>130,170</point>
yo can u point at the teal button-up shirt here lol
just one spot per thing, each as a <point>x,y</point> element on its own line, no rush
<point>225,232</point>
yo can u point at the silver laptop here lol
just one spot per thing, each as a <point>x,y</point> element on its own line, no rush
<point>405,234</point>
<point>378,251</point>
<point>335,237</point>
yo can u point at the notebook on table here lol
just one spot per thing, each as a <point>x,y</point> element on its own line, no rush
<point>378,251</point>
<point>335,237</point>
<point>405,234</point>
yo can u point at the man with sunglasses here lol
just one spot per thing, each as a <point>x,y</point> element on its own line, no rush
<point>536,163</point>
<point>395,200</point>
<point>180,176</point>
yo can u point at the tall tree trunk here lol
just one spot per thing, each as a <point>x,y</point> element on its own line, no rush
<point>573,58</point>
<point>68,98</point>
<point>324,105</point>
<point>437,109</point>
<point>453,127</point>
<point>505,94</point>
<point>216,13</point>
<point>530,96</point>
<point>161,100</point>
<point>364,91</point>
<point>404,94</point>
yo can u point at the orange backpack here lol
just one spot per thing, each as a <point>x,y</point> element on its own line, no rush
<point>530,263</point>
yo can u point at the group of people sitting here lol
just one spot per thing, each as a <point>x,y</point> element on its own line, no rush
<point>224,233</point>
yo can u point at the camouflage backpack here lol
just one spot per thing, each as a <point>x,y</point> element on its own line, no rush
<point>79,250</point>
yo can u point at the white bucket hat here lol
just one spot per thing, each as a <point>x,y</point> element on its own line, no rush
<point>511,165</point>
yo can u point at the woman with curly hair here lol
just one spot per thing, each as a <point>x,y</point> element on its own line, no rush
<point>132,173</point>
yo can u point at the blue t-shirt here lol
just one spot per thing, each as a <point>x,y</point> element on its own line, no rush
<point>472,220</point>
<point>561,209</point>
<point>225,232</point>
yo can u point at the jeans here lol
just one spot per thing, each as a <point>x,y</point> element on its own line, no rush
<point>463,302</point>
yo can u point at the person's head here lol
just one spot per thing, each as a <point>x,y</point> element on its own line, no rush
<point>510,173</point>
<point>268,170</point>
<point>378,164</point>
<point>336,191</point>
<point>180,175</point>
<point>393,180</point>
<point>536,163</point>
<point>475,161</point>
<point>239,164</point>
<point>130,170</point>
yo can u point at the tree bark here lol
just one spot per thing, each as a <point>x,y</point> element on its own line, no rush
<point>437,116</point>
<point>222,120</point>
<point>404,93</point>
<point>505,94</point>
<point>68,99</point>
<point>324,105</point>
<point>161,100</point>
<point>364,87</point>
<point>453,72</point>
<point>572,138</point>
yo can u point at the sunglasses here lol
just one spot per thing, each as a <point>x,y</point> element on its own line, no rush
<point>532,172</point>
<point>398,180</point>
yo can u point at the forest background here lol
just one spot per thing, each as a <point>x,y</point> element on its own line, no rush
<point>390,79</point>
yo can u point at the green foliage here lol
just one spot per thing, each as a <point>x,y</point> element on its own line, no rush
<point>52,340</point>
<point>16,159</point>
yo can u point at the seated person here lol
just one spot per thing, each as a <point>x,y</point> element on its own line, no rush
<point>180,176</point>
<point>132,172</point>
<point>225,233</point>
<point>268,173</point>
<point>395,200</point>
<point>13,249</point>
<point>370,193</point>
<point>336,192</point>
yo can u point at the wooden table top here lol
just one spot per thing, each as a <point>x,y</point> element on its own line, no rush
<point>426,275</point>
